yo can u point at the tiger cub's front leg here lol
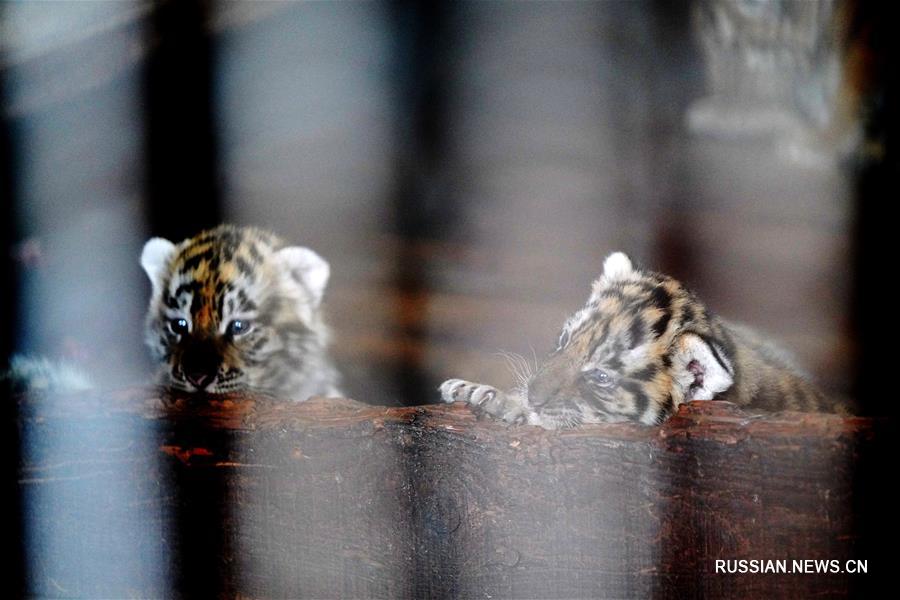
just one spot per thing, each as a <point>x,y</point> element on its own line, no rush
<point>487,399</point>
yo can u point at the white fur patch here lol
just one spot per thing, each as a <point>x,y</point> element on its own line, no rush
<point>617,266</point>
<point>637,355</point>
<point>578,319</point>
<point>715,378</point>
<point>304,266</point>
<point>155,259</point>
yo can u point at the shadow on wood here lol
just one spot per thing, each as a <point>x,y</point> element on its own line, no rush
<point>332,498</point>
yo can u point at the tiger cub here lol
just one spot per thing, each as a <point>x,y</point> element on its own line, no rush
<point>641,346</point>
<point>233,309</point>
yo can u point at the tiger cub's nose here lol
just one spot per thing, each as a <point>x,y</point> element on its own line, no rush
<point>200,362</point>
<point>200,380</point>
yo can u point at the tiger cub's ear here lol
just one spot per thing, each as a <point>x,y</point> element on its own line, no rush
<point>155,260</point>
<point>301,266</point>
<point>700,368</point>
<point>616,267</point>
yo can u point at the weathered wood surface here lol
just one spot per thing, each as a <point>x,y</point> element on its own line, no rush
<point>332,498</point>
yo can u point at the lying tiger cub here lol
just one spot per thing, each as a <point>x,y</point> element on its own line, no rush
<point>643,345</point>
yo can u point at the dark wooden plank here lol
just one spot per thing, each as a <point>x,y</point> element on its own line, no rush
<point>332,498</point>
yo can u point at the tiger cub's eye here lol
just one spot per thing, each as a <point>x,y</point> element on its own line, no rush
<point>238,327</point>
<point>179,326</point>
<point>599,377</point>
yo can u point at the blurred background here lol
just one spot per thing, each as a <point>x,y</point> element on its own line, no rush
<point>464,168</point>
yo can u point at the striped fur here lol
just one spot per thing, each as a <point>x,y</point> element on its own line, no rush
<point>641,346</point>
<point>235,309</point>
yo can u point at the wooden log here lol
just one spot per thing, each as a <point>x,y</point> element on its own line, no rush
<point>248,497</point>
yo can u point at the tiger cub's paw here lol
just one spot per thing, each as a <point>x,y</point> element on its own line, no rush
<point>476,394</point>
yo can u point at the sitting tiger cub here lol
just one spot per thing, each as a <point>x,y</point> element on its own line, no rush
<point>643,345</point>
<point>234,309</point>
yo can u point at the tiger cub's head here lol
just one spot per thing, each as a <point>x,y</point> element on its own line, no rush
<point>642,345</point>
<point>228,304</point>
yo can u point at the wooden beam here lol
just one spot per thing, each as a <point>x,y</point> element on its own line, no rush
<point>332,498</point>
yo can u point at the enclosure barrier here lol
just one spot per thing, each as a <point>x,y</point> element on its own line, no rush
<point>247,497</point>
